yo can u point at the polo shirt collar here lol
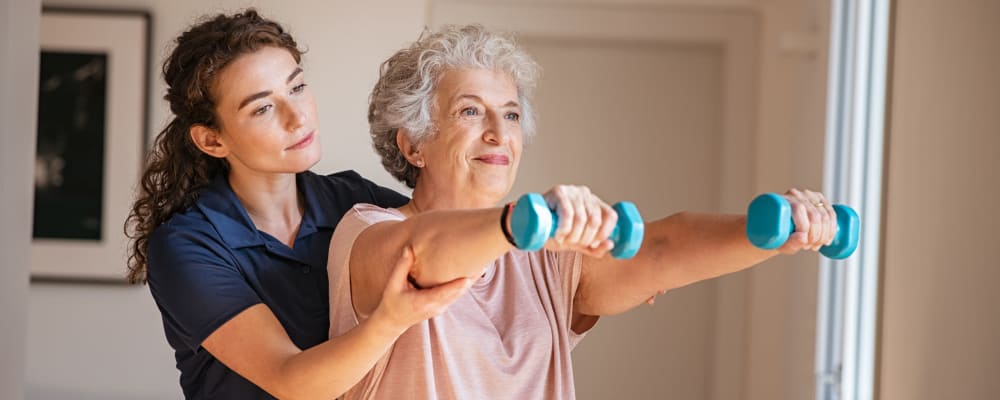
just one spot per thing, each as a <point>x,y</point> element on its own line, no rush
<point>315,215</point>
<point>224,211</point>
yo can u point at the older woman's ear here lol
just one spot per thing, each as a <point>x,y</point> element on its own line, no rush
<point>409,149</point>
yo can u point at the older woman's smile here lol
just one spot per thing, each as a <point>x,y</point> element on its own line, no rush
<point>495,159</point>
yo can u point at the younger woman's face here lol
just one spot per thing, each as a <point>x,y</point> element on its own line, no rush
<point>266,114</point>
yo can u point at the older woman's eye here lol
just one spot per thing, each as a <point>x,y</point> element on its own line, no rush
<point>469,112</point>
<point>513,116</point>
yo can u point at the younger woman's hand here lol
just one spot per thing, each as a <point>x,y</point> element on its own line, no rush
<point>404,305</point>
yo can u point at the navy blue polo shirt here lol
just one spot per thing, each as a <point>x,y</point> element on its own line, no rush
<point>209,263</point>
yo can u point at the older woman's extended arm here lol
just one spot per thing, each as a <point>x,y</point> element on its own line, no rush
<point>447,245</point>
<point>684,248</point>
<point>451,244</point>
<point>677,250</point>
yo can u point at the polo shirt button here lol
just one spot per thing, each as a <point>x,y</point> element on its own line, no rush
<point>306,270</point>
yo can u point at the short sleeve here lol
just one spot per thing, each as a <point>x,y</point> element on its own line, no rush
<point>342,313</point>
<point>195,283</point>
<point>569,267</point>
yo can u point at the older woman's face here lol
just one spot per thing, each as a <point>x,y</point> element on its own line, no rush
<point>477,147</point>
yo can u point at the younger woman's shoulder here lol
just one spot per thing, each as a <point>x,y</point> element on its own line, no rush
<point>343,179</point>
<point>349,186</point>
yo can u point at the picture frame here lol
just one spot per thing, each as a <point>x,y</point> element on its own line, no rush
<point>92,133</point>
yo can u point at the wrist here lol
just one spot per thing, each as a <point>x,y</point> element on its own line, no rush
<point>384,325</point>
<point>505,224</point>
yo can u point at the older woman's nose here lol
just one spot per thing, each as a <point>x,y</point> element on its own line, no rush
<point>496,131</point>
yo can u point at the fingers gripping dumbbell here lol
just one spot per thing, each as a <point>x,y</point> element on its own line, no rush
<point>532,223</point>
<point>769,223</point>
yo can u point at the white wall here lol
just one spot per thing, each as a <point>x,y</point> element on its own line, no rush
<point>940,314</point>
<point>18,102</point>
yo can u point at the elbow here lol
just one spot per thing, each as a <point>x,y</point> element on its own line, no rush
<point>598,304</point>
<point>291,391</point>
<point>611,308</point>
<point>286,386</point>
<point>293,383</point>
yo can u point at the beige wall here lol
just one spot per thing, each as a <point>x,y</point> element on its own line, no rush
<point>660,129</point>
<point>18,101</point>
<point>781,295</point>
<point>941,310</point>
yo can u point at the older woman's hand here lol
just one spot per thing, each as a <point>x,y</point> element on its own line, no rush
<point>814,218</point>
<point>585,221</point>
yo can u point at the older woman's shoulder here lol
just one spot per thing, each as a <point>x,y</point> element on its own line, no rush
<point>373,213</point>
<point>357,219</point>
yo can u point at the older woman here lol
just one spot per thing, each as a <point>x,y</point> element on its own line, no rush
<point>449,116</point>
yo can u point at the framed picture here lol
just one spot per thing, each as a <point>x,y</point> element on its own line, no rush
<point>92,119</point>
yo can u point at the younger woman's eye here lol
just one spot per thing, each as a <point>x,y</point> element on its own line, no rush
<point>299,88</point>
<point>262,110</point>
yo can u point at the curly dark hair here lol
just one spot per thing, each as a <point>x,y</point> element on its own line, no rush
<point>176,169</point>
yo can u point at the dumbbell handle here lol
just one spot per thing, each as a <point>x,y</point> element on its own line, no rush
<point>533,223</point>
<point>769,223</point>
<point>555,226</point>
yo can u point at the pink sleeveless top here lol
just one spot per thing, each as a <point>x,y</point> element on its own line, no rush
<point>508,337</point>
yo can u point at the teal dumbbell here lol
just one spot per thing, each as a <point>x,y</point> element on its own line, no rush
<point>769,223</point>
<point>532,223</point>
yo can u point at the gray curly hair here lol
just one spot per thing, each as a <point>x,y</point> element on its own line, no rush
<point>403,97</point>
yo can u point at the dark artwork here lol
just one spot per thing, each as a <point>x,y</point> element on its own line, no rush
<point>69,165</point>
